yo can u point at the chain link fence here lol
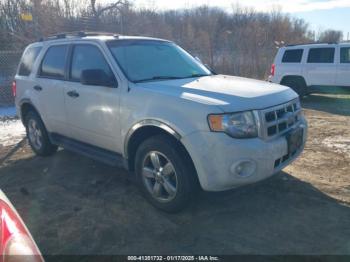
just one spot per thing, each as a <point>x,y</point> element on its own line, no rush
<point>8,65</point>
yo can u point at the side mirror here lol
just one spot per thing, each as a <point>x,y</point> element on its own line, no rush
<point>97,77</point>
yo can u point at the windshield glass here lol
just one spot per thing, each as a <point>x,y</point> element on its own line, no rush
<point>147,60</point>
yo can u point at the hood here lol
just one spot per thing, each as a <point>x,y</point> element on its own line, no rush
<point>230,93</point>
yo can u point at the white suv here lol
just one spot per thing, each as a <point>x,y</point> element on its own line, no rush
<point>148,105</point>
<point>303,67</point>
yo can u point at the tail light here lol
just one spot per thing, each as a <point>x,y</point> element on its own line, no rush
<point>273,69</point>
<point>16,243</point>
<point>14,88</point>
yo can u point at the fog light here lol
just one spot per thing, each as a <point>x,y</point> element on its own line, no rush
<point>243,168</point>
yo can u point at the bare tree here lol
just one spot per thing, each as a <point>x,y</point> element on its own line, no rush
<point>98,11</point>
<point>331,36</point>
<point>241,42</point>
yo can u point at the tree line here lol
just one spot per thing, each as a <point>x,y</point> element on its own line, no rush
<point>239,41</point>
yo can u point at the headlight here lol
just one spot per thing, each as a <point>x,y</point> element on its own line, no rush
<point>237,125</point>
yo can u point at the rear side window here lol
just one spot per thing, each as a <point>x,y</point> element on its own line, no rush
<point>28,60</point>
<point>321,55</point>
<point>292,56</point>
<point>87,57</point>
<point>345,55</point>
<point>54,62</point>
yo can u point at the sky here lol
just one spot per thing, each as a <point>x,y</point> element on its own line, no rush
<point>320,14</point>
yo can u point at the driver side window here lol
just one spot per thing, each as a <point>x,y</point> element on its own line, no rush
<point>87,57</point>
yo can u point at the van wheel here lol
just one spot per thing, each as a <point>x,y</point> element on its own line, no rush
<point>37,135</point>
<point>298,85</point>
<point>164,174</point>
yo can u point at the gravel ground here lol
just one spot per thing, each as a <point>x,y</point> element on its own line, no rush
<point>74,205</point>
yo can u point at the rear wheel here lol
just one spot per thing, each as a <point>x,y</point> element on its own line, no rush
<point>164,174</point>
<point>37,135</point>
<point>297,84</point>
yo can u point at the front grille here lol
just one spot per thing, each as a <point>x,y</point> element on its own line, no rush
<point>279,119</point>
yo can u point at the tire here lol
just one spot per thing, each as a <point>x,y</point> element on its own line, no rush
<point>37,135</point>
<point>164,173</point>
<point>298,85</point>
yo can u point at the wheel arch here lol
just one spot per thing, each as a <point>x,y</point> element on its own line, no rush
<point>293,77</point>
<point>26,106</point>
<point>144,130</point>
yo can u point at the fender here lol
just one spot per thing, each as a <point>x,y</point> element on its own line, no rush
<point>25,101</point>
<point>148,122</point>
<point>299,77</point>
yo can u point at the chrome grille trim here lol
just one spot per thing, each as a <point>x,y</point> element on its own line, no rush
<point>278,120</point>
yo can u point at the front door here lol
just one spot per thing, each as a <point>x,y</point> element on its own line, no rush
<point>92,111</point>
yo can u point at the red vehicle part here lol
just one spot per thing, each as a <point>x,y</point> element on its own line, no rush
<point>273,70</point>
<point>16,243</point>
<point>14,88</point>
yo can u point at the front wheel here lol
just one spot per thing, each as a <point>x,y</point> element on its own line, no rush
<point>164,174</point>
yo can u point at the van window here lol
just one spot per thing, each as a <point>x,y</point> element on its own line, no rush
<point>321,55</point>
<point>54,62</point>
<point>88,57</point>
<point>28,60</point>
<point>292,56</point>
<point>345,55</point>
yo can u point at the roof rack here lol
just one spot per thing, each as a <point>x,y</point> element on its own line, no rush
<point>77,34</point>
<point>313,43</point>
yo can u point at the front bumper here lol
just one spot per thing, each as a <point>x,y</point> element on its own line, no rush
<point>217,156</point>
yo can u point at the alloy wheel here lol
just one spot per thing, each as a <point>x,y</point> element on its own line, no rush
<point>159,176</point>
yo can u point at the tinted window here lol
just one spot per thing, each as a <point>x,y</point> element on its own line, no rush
<point>87,57</point>
<point>54,62</point>
<point>28,60</point>
<point>292,56</point>
<point>321,55</point>
<point>345,55</point>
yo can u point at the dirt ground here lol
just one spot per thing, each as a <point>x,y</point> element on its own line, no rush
<point>74,205</point>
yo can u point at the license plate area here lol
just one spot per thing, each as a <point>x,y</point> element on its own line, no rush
<point>295,140</point>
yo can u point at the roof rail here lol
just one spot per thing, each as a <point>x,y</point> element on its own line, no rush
<point>76,34</point>
<point>313,43</point>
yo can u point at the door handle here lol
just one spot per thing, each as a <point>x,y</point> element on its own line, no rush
<point>38,88</point>
<point>73,94</point>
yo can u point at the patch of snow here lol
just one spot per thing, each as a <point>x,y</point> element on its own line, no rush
<point>7,111</point>
<point>11,132</point>
<point>339,144</point>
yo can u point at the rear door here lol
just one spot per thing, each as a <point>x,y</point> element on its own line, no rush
<point>290,63</point>
<point>49,86</point>
<point>25,75</point>
<point>92,111</point>
<point>320,67</point>
<point>343,70</point>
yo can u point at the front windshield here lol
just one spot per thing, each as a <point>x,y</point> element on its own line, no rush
<point>151,60</point>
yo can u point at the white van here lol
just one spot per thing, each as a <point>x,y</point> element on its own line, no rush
<point>303,67</point>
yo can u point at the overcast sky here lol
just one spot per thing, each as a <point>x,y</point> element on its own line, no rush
<point>320,14</point>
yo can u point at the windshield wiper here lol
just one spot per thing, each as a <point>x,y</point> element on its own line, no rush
<point>169,77</point>
<point>158,78</point>
<point>198,75</point>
